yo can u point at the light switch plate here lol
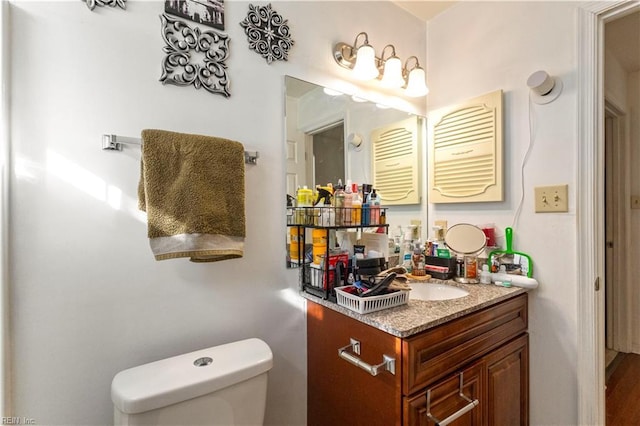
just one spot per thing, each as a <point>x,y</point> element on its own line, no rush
<point>552,199</point>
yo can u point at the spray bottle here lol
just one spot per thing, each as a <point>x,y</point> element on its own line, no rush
<point>324,194</point>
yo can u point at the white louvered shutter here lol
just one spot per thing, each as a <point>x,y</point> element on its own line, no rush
<point>396,162</point>
<point>466,152</point>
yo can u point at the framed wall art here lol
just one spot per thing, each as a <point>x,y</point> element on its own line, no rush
<point>206,12</point>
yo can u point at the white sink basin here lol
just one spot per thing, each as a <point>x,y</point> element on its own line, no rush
<point>436,292</point>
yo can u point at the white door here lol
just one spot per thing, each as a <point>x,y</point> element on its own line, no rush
<point>295,149</point>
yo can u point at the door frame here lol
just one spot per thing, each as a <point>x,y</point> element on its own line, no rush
<point>5,177</point>
<point>590,205</point>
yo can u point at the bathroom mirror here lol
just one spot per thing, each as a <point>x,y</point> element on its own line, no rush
<point>328,134</point>
<point>329,137</point>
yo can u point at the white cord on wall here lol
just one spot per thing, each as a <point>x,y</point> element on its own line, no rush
<point>543,90</point>
<point>524,163</point>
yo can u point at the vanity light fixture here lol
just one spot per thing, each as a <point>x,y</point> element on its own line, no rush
<point>415,80</point>
<point>389,70</point>
<point>365,66</point>
<point>392,72</point>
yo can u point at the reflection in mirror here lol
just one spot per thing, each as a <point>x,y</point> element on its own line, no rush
<point>328,144</point>
<point>313,110</point>
<point>331,136</point>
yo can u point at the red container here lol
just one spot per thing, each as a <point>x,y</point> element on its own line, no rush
<point>328,279</point>
<point>490,233</point>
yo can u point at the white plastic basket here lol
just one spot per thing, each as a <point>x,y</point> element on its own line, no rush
<point>365,305</point>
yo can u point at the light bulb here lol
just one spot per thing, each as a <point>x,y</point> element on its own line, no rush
<point>331,92</point>
<point>392,75</point>
<point>416,85</point>
<point>365,68</point>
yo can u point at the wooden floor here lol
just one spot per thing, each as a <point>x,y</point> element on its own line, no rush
<point>623,391</point>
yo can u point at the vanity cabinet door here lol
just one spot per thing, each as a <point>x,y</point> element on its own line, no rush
<point>499,381</point>
<point>508,383</point>
<point>445,400</point>
<point>339,392</point>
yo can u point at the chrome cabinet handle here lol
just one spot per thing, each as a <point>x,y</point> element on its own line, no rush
<point>388,362</point>
<point>470,406</point>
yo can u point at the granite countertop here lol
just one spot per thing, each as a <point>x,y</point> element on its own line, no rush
<point>419,315</point>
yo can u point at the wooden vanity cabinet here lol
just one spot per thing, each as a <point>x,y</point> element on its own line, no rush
<point>487,350</point>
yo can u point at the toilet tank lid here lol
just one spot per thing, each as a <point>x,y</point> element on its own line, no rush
<point>172,380</point>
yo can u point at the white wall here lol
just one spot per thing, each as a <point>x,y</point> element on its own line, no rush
<point>478,47</point>
<point>87,298</point>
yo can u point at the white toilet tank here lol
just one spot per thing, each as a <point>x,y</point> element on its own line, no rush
<point>223,385</point>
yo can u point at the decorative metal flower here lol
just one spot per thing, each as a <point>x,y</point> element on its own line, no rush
<point>181,40</point>
<point>267,33</point>
<point>91,4</point>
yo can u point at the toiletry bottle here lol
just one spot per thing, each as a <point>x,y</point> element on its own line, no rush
<point>356,205</point>
<point>305,200</point>
<point>348,199</point>
<point>407,254</point>
<point>460,266</point>
<point>485,275</point>
<point>397,239</point>
<point>470,267</point>
<point>338,200</point>
<point>374,205</point>
<point>328,217</point>
<point>366,214</point>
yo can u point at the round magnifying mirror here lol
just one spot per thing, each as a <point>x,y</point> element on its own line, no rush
<point>464,238</point>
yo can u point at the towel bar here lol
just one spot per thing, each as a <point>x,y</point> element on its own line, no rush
<point>115,143</point>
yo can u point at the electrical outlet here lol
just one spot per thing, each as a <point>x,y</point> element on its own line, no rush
<point>552,199</point>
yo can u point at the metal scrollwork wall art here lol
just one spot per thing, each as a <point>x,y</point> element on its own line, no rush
<point>91,4</point>
<point>267,33</point>
<point>181,41</point>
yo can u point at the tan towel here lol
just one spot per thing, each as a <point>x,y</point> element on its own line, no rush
<point>192,188</point>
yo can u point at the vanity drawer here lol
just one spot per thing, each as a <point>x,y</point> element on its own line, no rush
<point>341,392</point>
<point>436,353</point>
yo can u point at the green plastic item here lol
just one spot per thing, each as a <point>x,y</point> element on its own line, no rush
<point>444,253</point>
<point>508,232</point>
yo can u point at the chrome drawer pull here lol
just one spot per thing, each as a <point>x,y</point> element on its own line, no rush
<point>470,406</point>
<point>388,362</point>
